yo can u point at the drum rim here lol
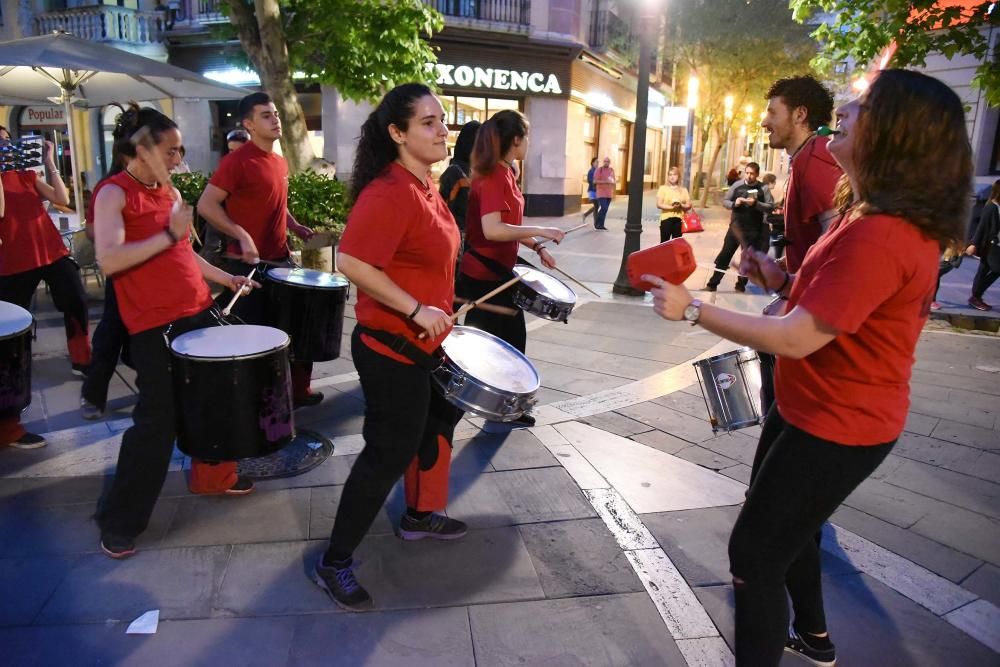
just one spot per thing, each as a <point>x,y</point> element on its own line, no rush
<point>269,275</point>
<point>725,355</point>
<point>18,334</point>
<point>553,299</point>
<point>461,328</point>
<point>254,355</point>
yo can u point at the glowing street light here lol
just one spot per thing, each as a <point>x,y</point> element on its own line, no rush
<point>728,102</point>
<point>692,100</point>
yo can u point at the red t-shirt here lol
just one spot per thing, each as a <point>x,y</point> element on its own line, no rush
<point>496,192</point>
<point>871,279</point>
<point>167,286</point>
<point>811,186</point>
<point>257,185</point>
<point>404,228</point>
<point>30,240</point>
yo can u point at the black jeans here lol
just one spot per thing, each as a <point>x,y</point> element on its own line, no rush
<point>797,482</point>
<point>671,228</point>
<point>758,238</point>
<point>110,336</point>
<point>984,277</point>
<point>149,443</point>
<point>63,278</point>
<point>403,417</point>
<point>510,328</point>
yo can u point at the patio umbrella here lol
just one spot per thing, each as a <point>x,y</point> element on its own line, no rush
<point>71,71</point>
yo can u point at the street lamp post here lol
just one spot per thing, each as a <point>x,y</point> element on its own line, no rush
<point>692,104</point>
<point>633,219</point>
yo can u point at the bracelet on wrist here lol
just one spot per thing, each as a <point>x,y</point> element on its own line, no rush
<point>415,311</point>
<point>170,234</point>
<point>788,279</point>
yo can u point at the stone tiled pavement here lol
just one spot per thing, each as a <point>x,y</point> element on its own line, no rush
<point>542,578</point>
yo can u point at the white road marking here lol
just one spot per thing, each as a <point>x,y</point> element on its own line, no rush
<point>979,619</point>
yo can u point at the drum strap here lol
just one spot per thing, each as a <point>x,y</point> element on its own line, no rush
<point>400,345</point>
<point>501,272</point>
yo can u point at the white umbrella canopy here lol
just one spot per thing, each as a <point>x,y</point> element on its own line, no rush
<point>68,70</point>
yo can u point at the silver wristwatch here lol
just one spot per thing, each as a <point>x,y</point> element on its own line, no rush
<point>693,312</point>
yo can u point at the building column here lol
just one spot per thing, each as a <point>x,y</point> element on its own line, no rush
<point>342,121</point>
<point>551,187</point>
<point>194,119</point>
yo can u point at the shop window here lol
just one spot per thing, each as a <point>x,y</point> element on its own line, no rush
<point>494,105</point>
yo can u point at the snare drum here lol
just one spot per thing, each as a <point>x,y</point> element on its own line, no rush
<point>730,384</point>
<point>15,359</point>
<point>486,376</point>
<point>543,295</point>
<point>308,305</point>
<point>233,392</point>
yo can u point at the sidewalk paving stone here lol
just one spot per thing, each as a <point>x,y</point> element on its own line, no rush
<point>577,381</point>
<point>974,494</point>
<point>181,583</point>
<point>661,352</point>
<point>706,458</point>
<point>891,503</point>
<point>542,494</point>
<point>323,502</point>
<point>966,531</point>
<point>600,362</point>
<point>956,413</point>
<point>692,429</point>
<point>967,434</point>
<point>578,558</point>
<point>514,450</point>
<point>985,582</point>
<point>428,637</point>
<point>616,423</point>
<point>664,442</point>
<point>27,584</point>
<point>599,631</point>
<point>949,455</point>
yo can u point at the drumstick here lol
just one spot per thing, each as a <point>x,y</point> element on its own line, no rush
<point>730,272</point>
<point>239,293</point>
<point>261,261</point>
<point>486,297</point>
<point>541,244</point>
<point>577,282</point>
<point>500,310</point>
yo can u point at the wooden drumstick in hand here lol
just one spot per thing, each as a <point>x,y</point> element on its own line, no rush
<point>541,244</point>
<point>239,293</point>
<point>472,304</point>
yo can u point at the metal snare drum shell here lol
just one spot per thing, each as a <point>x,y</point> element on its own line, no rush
<point>543,295</point>
<point>730,384</point>
<point>486,376</point>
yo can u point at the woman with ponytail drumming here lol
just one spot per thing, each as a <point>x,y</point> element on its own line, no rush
<point>141,238</point>
<point>399,248</point>
<point>494,231</point>
<point>845,348</point>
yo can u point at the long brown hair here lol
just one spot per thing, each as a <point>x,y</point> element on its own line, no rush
<point>494,139</point>
<point>912,156</point>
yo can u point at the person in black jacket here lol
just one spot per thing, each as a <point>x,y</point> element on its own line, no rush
<point>985,241</point>
<point>749,200</point>
<point>454,184</point>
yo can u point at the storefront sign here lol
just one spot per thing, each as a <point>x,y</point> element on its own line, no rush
<point>43,116</point>
<point>465,76</point>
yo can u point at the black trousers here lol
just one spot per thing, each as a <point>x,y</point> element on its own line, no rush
<point>403,417</point>
<point>766,382</point>
<point>510,328</point>
<point>797,482</point>
<point>758,238</point>
<point>671,228</point>
<point>110,337</point>
<point>985,277</point>
<point>149,443</point>
<point>63,278</point>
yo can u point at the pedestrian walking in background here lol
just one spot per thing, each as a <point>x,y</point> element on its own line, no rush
<point>673,200</point>
<point>604,180</point>
<point>749,200</point>
<point>986,245</point>
<point>845,348</point>
<point>591,189</point>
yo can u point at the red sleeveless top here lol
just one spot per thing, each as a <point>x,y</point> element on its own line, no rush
<point>166,287</point>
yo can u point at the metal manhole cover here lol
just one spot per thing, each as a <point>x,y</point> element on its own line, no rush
<point>301,455</point>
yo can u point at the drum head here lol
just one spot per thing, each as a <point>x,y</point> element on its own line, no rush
<point>545,284</point>
<point>229,342</point>
<point>490,360</point>
<point>13,319</point>
<point>307,278</point>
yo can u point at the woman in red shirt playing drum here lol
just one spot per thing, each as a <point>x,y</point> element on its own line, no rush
<point>844,348</point>
<point>141,237</point>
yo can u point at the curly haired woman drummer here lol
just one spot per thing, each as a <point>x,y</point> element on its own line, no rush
<point>494,230</point>
<point>399,248</point>
<point>141,238</point>
<point>845,348</point>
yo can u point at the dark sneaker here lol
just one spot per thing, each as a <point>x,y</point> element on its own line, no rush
<point>524,420</point>
<point>435,526</point>
<point>740,287</point>
<point>977,303</point>
<point>242,487</point>
<point>825,657</point>
<point>90,411</point>
<point>342,587</point>
<point>309,400</point>
<point>80,370</point>
<point>117,546</point>
<point>29,441</point>
<point>711,288</point>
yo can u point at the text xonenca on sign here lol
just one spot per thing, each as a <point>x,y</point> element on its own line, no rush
<point>496,79</point>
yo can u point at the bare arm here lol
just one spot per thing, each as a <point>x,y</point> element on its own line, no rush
<point>494,229</point>
<point>113,253</point>
<point>376,284</point>
<point>210,208</point>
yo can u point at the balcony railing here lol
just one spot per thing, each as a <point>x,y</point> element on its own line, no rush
<point>608,30</point>
<point>517,12</point>
<point>104,23</point>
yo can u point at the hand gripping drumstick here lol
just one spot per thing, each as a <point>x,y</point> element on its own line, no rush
<point>472,304</point>
<point>541,244</point>
<point>240,292</point>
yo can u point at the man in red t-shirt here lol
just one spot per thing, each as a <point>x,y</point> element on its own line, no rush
<point>247,200</point>
<point>796,108</point>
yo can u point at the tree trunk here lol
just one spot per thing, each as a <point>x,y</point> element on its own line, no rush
<point>711,170</point>
<point>705,134</point>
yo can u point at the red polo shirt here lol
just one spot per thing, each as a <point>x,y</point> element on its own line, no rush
<point>872,279</point>
<point>404,228</point>
<point>810,190</point>
<point>497,192</point>
<point>257,186</point>
<point>29,238</point>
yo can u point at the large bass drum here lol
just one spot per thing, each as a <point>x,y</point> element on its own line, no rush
<point>15,359</point>
<point>486,376</point>
<point>308,305</point>
<point>233,392</point>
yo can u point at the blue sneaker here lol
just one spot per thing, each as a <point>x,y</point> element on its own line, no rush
<point>342,586</point>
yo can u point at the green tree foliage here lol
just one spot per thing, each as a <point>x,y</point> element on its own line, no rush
<point>862,29</point>
<point>737,49</point>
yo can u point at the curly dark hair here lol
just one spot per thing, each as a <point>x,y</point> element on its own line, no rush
<point>376,149</point>
<point>910,124</point>
<point>805,91</point>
